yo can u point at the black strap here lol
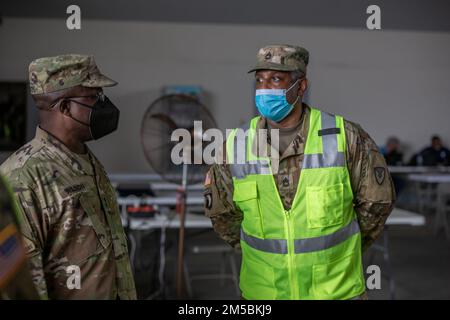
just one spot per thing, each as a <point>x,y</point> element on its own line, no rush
<point>325,132</point>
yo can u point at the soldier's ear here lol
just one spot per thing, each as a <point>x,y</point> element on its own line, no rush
<point>303,86</point>
<point>64,107</point>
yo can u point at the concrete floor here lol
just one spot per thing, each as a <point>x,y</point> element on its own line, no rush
<point>420,263</point>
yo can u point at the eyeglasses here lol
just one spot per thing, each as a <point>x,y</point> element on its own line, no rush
<point>100,96</point>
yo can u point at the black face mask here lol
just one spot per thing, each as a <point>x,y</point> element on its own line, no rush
<point>104,117</point>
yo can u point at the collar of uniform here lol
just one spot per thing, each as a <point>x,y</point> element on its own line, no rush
<point>293,148</point>
<point>79,163</point>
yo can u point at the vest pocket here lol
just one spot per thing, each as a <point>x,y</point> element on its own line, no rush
<point>340,279</point>
<point>256,280</point>
<point>324,205</point>
<point>245,196</point>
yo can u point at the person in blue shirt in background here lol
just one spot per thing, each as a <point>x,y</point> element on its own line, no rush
<point>434,155</point>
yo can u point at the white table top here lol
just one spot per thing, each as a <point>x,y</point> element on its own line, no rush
<point>397,217</point>
<point>430,178</point>
<point>419,169</point>
<point>162,201</point>
<point>404,217</point>
<point>117,177</point>
<point>173,222</point>
<point>146,178</point>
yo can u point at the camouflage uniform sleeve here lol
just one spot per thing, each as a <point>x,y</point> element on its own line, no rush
<point>372,185</point>
<point>33,225</point>
<point>219,205</point>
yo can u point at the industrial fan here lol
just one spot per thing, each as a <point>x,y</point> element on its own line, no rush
<point>166,114</point>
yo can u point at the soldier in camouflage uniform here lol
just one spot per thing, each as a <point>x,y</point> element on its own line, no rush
<point>15,276</point>
<point>71,222</point>
<point>280,67</point>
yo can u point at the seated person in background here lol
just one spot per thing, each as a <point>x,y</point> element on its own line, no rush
<point>434,155</point>
<point>392,153</point>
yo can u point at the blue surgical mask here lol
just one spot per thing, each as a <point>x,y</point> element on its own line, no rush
<point>272,103</point>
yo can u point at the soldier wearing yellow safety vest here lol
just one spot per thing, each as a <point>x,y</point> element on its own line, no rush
<point>303,212</point>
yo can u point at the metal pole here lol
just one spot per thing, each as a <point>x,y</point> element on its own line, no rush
<point>182,212</point>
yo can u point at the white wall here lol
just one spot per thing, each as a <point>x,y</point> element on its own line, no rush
<point>391,82</point>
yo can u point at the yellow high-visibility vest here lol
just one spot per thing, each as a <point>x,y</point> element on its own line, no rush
<point>313,250</point>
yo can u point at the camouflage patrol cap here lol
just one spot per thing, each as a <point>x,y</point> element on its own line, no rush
<point>282,58</point>
<point>52,74</point>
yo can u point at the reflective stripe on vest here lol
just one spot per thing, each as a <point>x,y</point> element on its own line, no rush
<point>240,171</point>
<point>302,245</point>
<point>266,245</point>
<point>330,157</point>
<point>240,167</point>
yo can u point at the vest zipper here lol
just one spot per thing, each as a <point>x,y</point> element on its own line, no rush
<point>290,246</point>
